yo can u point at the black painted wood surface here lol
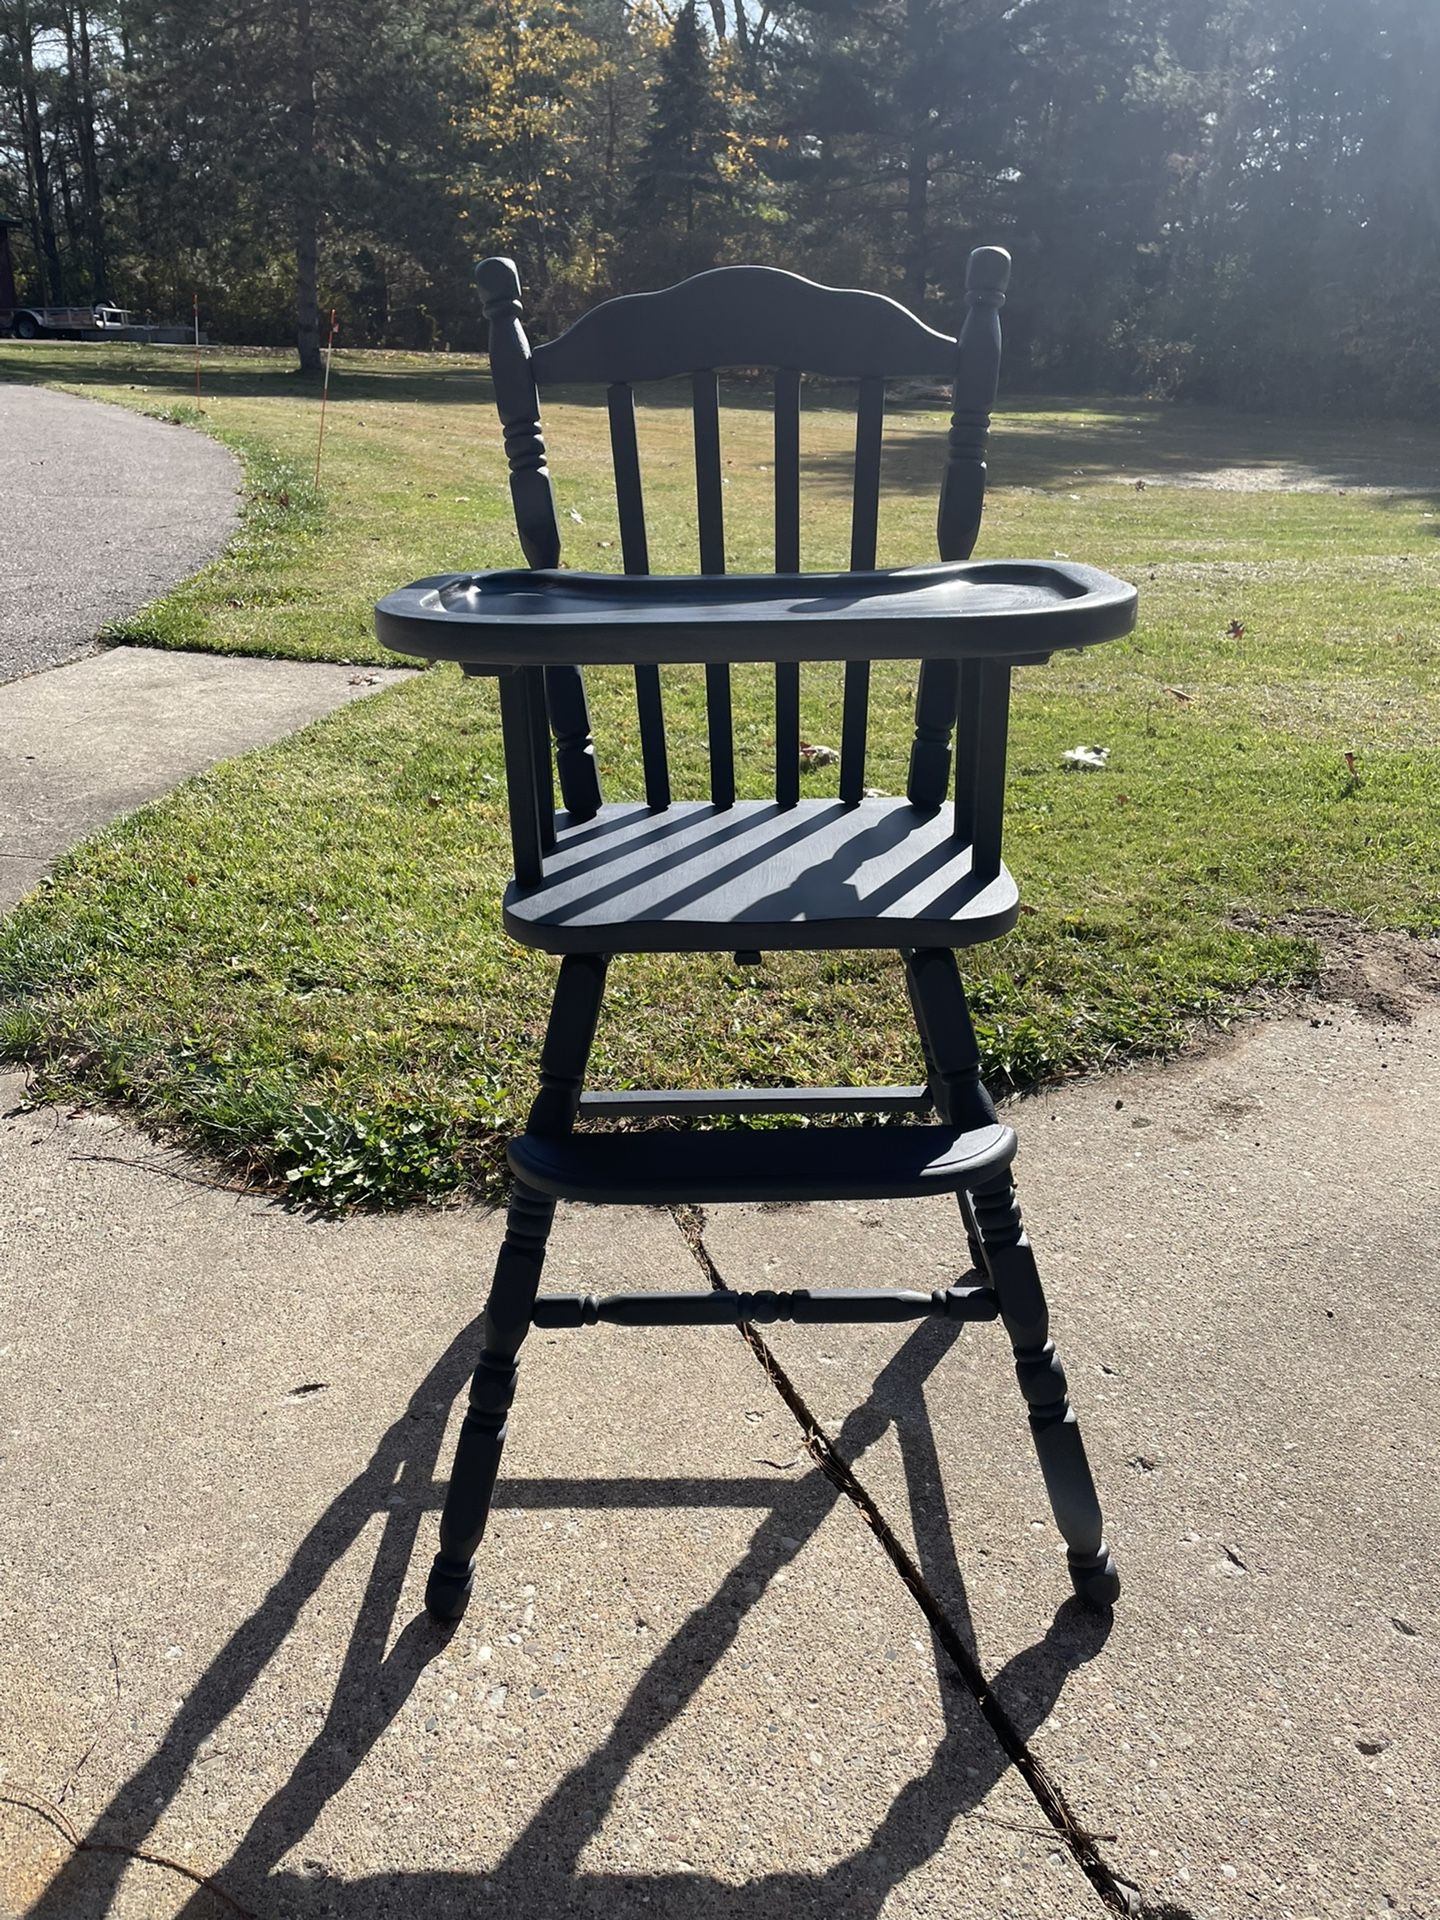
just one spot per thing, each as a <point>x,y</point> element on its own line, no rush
<point>745,317</point>
<point>689,875</point>
<point>533,498</point>
<point>759,876</point>
<point>811,1163</point>
<point>1009,608</point>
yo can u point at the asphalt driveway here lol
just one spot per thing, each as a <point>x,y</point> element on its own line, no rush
<point>104,510</point>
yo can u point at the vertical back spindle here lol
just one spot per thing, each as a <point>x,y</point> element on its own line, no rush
<point>635,557</point>
<point>710,505</point>
<point>787,560</point>
<point>962,501</point>
<point>518,405</point>
<point>864,526</point>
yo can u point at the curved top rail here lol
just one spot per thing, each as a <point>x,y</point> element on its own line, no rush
<point>745,317</point>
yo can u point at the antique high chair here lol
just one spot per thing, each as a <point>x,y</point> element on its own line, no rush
<point>921,874</point>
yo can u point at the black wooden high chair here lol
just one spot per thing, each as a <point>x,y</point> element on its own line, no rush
<point>921,874</point>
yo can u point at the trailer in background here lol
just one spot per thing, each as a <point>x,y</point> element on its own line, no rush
<point>72,323</point>
<point>100,320</point>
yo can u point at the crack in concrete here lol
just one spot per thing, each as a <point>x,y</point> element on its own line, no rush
<point>1118,1894</point>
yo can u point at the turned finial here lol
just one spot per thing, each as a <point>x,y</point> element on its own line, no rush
<point>987,275</point>
<point>499,282</point>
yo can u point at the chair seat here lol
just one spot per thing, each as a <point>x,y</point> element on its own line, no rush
<point>665,1167</point>
<point>695,878</point>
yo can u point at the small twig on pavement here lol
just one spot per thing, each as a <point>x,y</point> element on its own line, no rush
<point>109,1715</point>
<point>37,1804</point>
<point>1040,1833</point>
<point>169,1173</point>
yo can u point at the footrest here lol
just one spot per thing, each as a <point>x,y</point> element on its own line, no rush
<point>721,1307</point>
<point>666,1167</point>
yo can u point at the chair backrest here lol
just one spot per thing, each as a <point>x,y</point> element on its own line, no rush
<point>748,317</point>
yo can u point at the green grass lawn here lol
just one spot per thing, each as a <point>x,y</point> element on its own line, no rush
<point>297,958</point>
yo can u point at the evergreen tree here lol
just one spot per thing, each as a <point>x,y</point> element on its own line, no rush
<point>685,193</point>
<point>272,125</point>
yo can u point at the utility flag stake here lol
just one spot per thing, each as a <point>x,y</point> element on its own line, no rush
<point>324,395</point>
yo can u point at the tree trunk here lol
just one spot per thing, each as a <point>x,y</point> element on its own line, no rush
<point>82,72</point>
<point>914,95</point>
<point>37,166</point>
<point>306,197</point>
<point>307,302</point>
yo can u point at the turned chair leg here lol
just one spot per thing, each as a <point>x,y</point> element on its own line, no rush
<point>1001,1249</point>
<point>1010,1264</point>
<point>563,1059</point>
<point>492,1388</point>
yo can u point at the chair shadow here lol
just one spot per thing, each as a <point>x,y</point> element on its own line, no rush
<point>539,1875</point>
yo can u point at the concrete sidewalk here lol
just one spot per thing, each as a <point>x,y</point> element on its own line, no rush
<point>1241,1260</point>
<point>87,742</point>
<point>691,1682</point>
<point>690,1685</point>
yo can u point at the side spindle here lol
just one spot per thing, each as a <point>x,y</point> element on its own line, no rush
<point>521,789</point>
<point>518,404</point>
<point>987,809</point>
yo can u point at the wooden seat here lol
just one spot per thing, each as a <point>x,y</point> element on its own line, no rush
<point>697,872</point>
<point>697,878</point>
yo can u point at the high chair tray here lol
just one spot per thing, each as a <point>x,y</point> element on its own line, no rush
<point>998,609</point>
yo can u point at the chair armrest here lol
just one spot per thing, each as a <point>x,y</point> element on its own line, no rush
<point>1012,610</point>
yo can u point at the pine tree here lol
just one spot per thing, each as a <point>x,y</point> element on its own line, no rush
<point>684,184</point>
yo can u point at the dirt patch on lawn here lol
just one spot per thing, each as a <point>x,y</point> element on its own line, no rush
<point>1381,973</point>
<point>1382,477</point>
<point>1265,479</point>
